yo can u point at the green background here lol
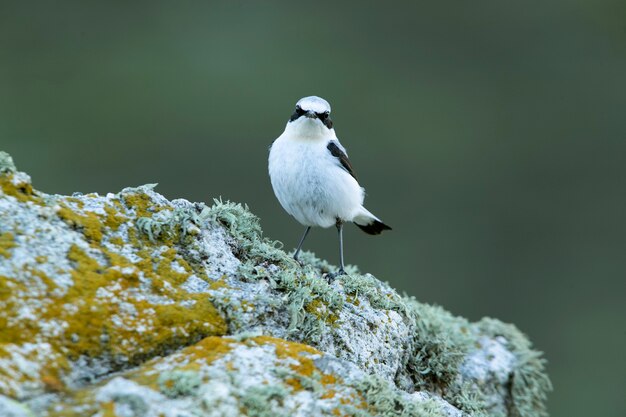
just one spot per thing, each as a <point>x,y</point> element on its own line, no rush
<point>489,134</point>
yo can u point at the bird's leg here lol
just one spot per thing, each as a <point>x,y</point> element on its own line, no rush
<point>340,230</point>
<point>306,232</point>
<point>341,271</point>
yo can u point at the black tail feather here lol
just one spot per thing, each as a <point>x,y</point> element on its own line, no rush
<point>374,228</point>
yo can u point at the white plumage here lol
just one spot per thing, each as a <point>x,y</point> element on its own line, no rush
<point>311,175</point>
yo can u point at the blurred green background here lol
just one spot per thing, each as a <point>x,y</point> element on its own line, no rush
<point>490,135</point>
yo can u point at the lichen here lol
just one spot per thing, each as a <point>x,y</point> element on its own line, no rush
<point>179,383</point>
<point>88,223</point>
<point>263,401</point>
<point>6,164</point>
<point>529,382</point>
<point>379,399</point>
<point>19,188</point>
<point>7,242</point>
<point>131,278</point>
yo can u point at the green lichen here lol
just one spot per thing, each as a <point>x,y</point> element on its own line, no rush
<point>264,401</point>
<point>179,383</point>
<point>440,342</point>
<point>6,164</point>
<point>381,399</point>
<point>529,383</point>
<point>172,226</point>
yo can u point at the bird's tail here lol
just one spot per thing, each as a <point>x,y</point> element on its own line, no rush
<point>369,223</point>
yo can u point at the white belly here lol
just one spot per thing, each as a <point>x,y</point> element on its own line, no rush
<point>310,185</point>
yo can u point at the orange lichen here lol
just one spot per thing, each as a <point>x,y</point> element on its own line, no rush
<point>301,364</point>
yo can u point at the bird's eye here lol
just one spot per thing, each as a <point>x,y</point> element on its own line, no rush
<point>323,116</point>
<point>299,110</point>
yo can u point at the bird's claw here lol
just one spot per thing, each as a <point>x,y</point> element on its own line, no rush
<point>330,277</point>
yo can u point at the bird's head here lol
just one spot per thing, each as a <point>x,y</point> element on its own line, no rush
<point>311,117</point>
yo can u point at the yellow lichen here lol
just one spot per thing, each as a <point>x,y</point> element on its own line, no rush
<point>23,192</point>
<point>219,283</point>
<point>88,223</point>
<point>116,240</point>
<point>7,242</point>
<point>321,311</point>
<point>79,203</point>
<point>141,202</point>
<point>113,219</point>
<point>90,311</point>
<point>95,317</point>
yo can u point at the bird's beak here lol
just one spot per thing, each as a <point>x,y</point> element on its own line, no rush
<point>310,115</point>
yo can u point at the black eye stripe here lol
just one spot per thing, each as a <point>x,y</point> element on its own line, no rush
<point>324,117</point>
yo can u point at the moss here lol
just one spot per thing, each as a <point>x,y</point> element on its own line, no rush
<point>7,242</point>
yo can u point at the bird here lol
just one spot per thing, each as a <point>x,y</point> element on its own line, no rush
<point>313,178</point>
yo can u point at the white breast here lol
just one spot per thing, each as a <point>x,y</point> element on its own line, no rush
<point>310,184</point>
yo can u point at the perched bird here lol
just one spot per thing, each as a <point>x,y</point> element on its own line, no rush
<point>313,178</point>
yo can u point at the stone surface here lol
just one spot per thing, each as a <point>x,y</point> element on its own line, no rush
<point>132,305</point>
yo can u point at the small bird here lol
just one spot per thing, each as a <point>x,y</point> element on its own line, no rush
<point>313,178</point>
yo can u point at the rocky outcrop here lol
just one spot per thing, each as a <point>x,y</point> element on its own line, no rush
<point>129,304</point>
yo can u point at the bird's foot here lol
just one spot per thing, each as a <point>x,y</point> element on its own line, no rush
<point>298,261</point>
<point>330,277</point>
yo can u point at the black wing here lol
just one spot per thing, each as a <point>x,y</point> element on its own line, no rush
<point>338,153</point>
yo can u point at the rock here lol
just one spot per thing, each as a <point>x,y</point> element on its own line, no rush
<point>132,305</point>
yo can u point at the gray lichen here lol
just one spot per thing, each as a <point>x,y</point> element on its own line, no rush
<point>164,275</point>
